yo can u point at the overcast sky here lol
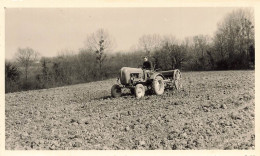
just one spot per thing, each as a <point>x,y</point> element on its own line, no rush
<point>50,31</point>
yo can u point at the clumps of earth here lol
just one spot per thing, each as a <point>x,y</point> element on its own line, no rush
<point>214,110</point>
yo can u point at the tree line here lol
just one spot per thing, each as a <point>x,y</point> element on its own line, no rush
<point>231,48</point>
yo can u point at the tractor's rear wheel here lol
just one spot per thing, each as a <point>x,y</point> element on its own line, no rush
<point>139,91</point>
<point>158,85</point>
<point>177,79</point>
<point>116,91</point>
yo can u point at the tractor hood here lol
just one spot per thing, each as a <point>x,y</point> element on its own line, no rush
<point>126,72</point>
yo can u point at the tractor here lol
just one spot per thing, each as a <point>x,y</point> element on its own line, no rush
<point>139,81</point>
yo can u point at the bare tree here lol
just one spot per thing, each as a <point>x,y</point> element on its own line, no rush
<point>169,39</point>
<point>235,36</point>
<point>176,54</point>
<point>100,42</point>
<point>201,46</point>
<point>26,57</point>
<point>150,43</point>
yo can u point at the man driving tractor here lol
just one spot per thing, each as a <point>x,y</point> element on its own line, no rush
<point>147,65</point>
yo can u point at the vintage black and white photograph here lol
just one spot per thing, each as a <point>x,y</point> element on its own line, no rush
<point>130,78</point>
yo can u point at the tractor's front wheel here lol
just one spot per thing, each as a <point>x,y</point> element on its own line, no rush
<point>116,91</point>
<point>139,91</point>
<point>158,85</point>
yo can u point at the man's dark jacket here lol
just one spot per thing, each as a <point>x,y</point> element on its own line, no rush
<point>147,65</point>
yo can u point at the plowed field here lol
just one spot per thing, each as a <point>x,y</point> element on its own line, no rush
<point>215,110</point>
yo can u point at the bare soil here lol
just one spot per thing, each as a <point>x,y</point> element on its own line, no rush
<point>215,110</point>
